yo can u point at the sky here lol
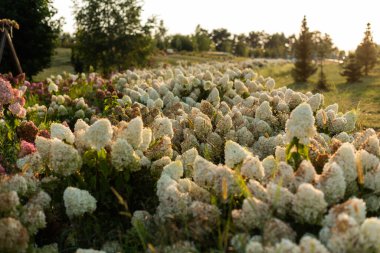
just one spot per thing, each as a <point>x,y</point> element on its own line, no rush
<point>344,21</point>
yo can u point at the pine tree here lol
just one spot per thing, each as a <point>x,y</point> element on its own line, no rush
<point>303,50</point>
<point>352,69</point>
<point>366,52</point>
<point>323,48</point>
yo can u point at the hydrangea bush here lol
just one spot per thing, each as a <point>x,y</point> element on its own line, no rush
<point>189,158</point>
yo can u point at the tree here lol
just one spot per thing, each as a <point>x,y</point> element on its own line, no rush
<point>275,46</point>
<point>181,42</point>
<point>352,69</point>
<point>323,48</point>
<point>110,35</point>
<point>35,40</point>
<point>303,50</point>
<point>222,40</point>
<point>256,42</point>
<point>201,39</point>
<point>366,52</point>
<point>160,38</point>
<point>241,47</point>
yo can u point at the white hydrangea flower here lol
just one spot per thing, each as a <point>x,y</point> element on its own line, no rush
<point>52,87</point>
<point>8,201</point>
<point>280,154</point>
<point>43,146</point>
<point>214,97</point>
<point>304,174</point>
<point>270,83</point>
<point>141,217</point>
<point>18,184</point>
<point>188,159</point>
<point>33,218</point>
<point>333,107</point>
<point>162,127</point>
<point>351,118</point>
<point>174,170</point>
<point>80,125</point>
<point>41,199</point>
<point>172,200</point>
<point>310,244</point>
<point>254,247</point>
<point>124,157</point>
<point>252,168</point>
<point>343,234</point>
<point>345,158</point>
<point>280,198</point>
<point>353,207</point>
<point>78,202</point>
<point>64,158</point>
<point>264,111</point>
<point>245,137</point>
<point>62,132</point>
<point>315,102</point>
<point>369,235</point>
<point>285,246</point>
<point>372,145</point>
<point>99,134</point>
<point>240,87</point>
<point>332,183</point>
<point>204,172</point>
<point>301,124</point>
<point>146,139</point>
<point>133,132</point>
<point>89,251</point>
<point>234,153</point>
<point>344,137</point>
<point>254,213</point>
<point>309,204</point>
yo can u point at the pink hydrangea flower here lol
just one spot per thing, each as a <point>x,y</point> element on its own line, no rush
<point>26,148</point>
<point>2,170</point>
<point>6,92</point>
<point>17,110</point>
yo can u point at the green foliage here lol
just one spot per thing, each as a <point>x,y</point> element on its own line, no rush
<point>276,46</point>
<point>9,142</point>
<point>201,39</point>
<point>222,40</point>
<point>181,43</point>
<point>352,69</point>
<point>366,52</point>
<point>160,39</point>
<point>296,153</point>
<point>110,35</point>
<point>323,48</point>
<point>303,50</point>
<point>241,47</point>
<point>35,41</point>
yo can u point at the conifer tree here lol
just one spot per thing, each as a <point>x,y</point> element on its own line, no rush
<point>352,69</point>
<point>304,66</point>
<point>366,52</point>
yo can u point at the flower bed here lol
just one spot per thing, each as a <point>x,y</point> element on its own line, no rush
<point>202,158</point>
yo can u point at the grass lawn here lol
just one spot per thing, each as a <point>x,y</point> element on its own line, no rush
<point>363,96</point>
<point>60,62</point>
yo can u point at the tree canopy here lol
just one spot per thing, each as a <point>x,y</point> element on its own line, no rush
<point>35,40</point>
<point>110,35</point>
<point>366,52</point>
<point>304,66</point>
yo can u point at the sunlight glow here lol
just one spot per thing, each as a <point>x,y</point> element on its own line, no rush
<point>344,21</point>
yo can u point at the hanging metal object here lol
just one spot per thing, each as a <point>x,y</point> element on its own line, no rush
<point>6,31</point>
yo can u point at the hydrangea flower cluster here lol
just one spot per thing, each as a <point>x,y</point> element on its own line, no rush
<point>213,139</point>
